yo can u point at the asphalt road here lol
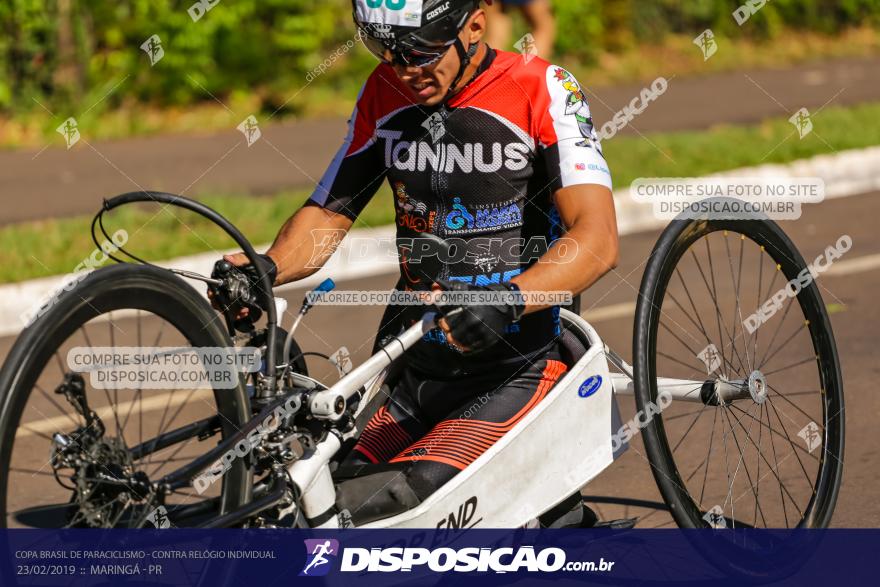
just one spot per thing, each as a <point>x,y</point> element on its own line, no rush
<point>627,487</point>
<point>54,181</point>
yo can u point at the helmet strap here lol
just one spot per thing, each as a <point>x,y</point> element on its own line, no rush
<point>465,57</point>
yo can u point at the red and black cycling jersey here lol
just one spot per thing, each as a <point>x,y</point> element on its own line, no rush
<point>478,172</point>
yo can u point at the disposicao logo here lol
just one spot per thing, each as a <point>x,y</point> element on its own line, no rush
<point>590,386</point>
<point>321,552</point>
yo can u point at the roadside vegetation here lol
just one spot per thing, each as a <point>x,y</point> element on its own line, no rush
<point>262,57</point>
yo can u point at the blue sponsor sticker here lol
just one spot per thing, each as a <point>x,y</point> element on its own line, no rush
<point>590,386</point>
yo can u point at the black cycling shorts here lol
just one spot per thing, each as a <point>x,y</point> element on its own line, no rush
<point>431,429</point>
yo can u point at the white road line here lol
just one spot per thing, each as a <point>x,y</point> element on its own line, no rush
<point>609,312</point>
<point>613,312</point>
<point>857,265</point>
<point>146,404</point>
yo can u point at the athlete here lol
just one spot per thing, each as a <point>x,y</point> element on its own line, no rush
<point>494,154</point>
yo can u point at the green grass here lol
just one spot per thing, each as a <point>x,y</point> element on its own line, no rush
<point>54,247</point>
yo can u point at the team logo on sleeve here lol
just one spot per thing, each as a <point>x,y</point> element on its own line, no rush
<point>576,105</point>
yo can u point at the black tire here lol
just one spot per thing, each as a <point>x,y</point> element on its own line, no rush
<point>120,287</point>
<point>679,238</point>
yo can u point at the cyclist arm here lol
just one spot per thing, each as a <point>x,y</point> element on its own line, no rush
<point>581,188</point>
<point>304,244</point>
<point>587,250</point>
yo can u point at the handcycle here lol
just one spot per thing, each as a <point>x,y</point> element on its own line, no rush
<point>722,429</point>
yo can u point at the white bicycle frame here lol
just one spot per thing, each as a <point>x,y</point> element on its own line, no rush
<point>563,443</point>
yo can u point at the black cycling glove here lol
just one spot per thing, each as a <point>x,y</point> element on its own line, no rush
<point>480,326</point>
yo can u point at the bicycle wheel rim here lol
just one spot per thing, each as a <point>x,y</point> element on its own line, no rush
<point>122,287</point>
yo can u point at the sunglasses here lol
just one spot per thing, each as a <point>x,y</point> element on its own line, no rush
<point>403,53</point>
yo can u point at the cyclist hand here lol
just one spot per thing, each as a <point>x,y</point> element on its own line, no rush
<point>473,327</point>
<point>253,275</point>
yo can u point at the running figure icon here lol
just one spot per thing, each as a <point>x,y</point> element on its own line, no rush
<point>319,551</point>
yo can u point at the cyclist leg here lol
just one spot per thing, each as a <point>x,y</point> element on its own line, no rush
<point>486,407</point>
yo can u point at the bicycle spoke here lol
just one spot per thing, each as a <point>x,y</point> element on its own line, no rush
<point>171,457</point>
<point>767,359</point>
<point>688,431</point>
<point>744,465</point>
<point>772,430</point>
<point>775,460</point>
<point>31,472</point>
<point>708,457</point>
<point>758,473</point>
<point>57,406</point>
<point>793,445</point>
<point>738,311</point>
<point>785,489</point>
<point>792,366</point>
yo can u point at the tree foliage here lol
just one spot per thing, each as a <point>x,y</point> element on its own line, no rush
<point>62,52</point>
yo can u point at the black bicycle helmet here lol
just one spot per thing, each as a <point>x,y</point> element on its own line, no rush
<point>411,32</point>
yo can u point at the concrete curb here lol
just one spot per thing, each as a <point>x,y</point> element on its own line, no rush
<point>845,174</point>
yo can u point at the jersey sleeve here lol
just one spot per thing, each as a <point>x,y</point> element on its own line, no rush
<point>357,171</point>
<point>566,134</point>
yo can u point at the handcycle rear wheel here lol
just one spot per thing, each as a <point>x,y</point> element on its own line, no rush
<point>773,460</point>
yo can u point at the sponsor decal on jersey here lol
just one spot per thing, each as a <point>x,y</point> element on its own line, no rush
<point>462,221</point>
<point>452,158</point>
<point>412,213</point>
<point>576,105</point>
<point>488,278</point>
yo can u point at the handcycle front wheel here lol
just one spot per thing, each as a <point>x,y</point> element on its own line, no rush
<point>139,434</point>
<point>709,309</point>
